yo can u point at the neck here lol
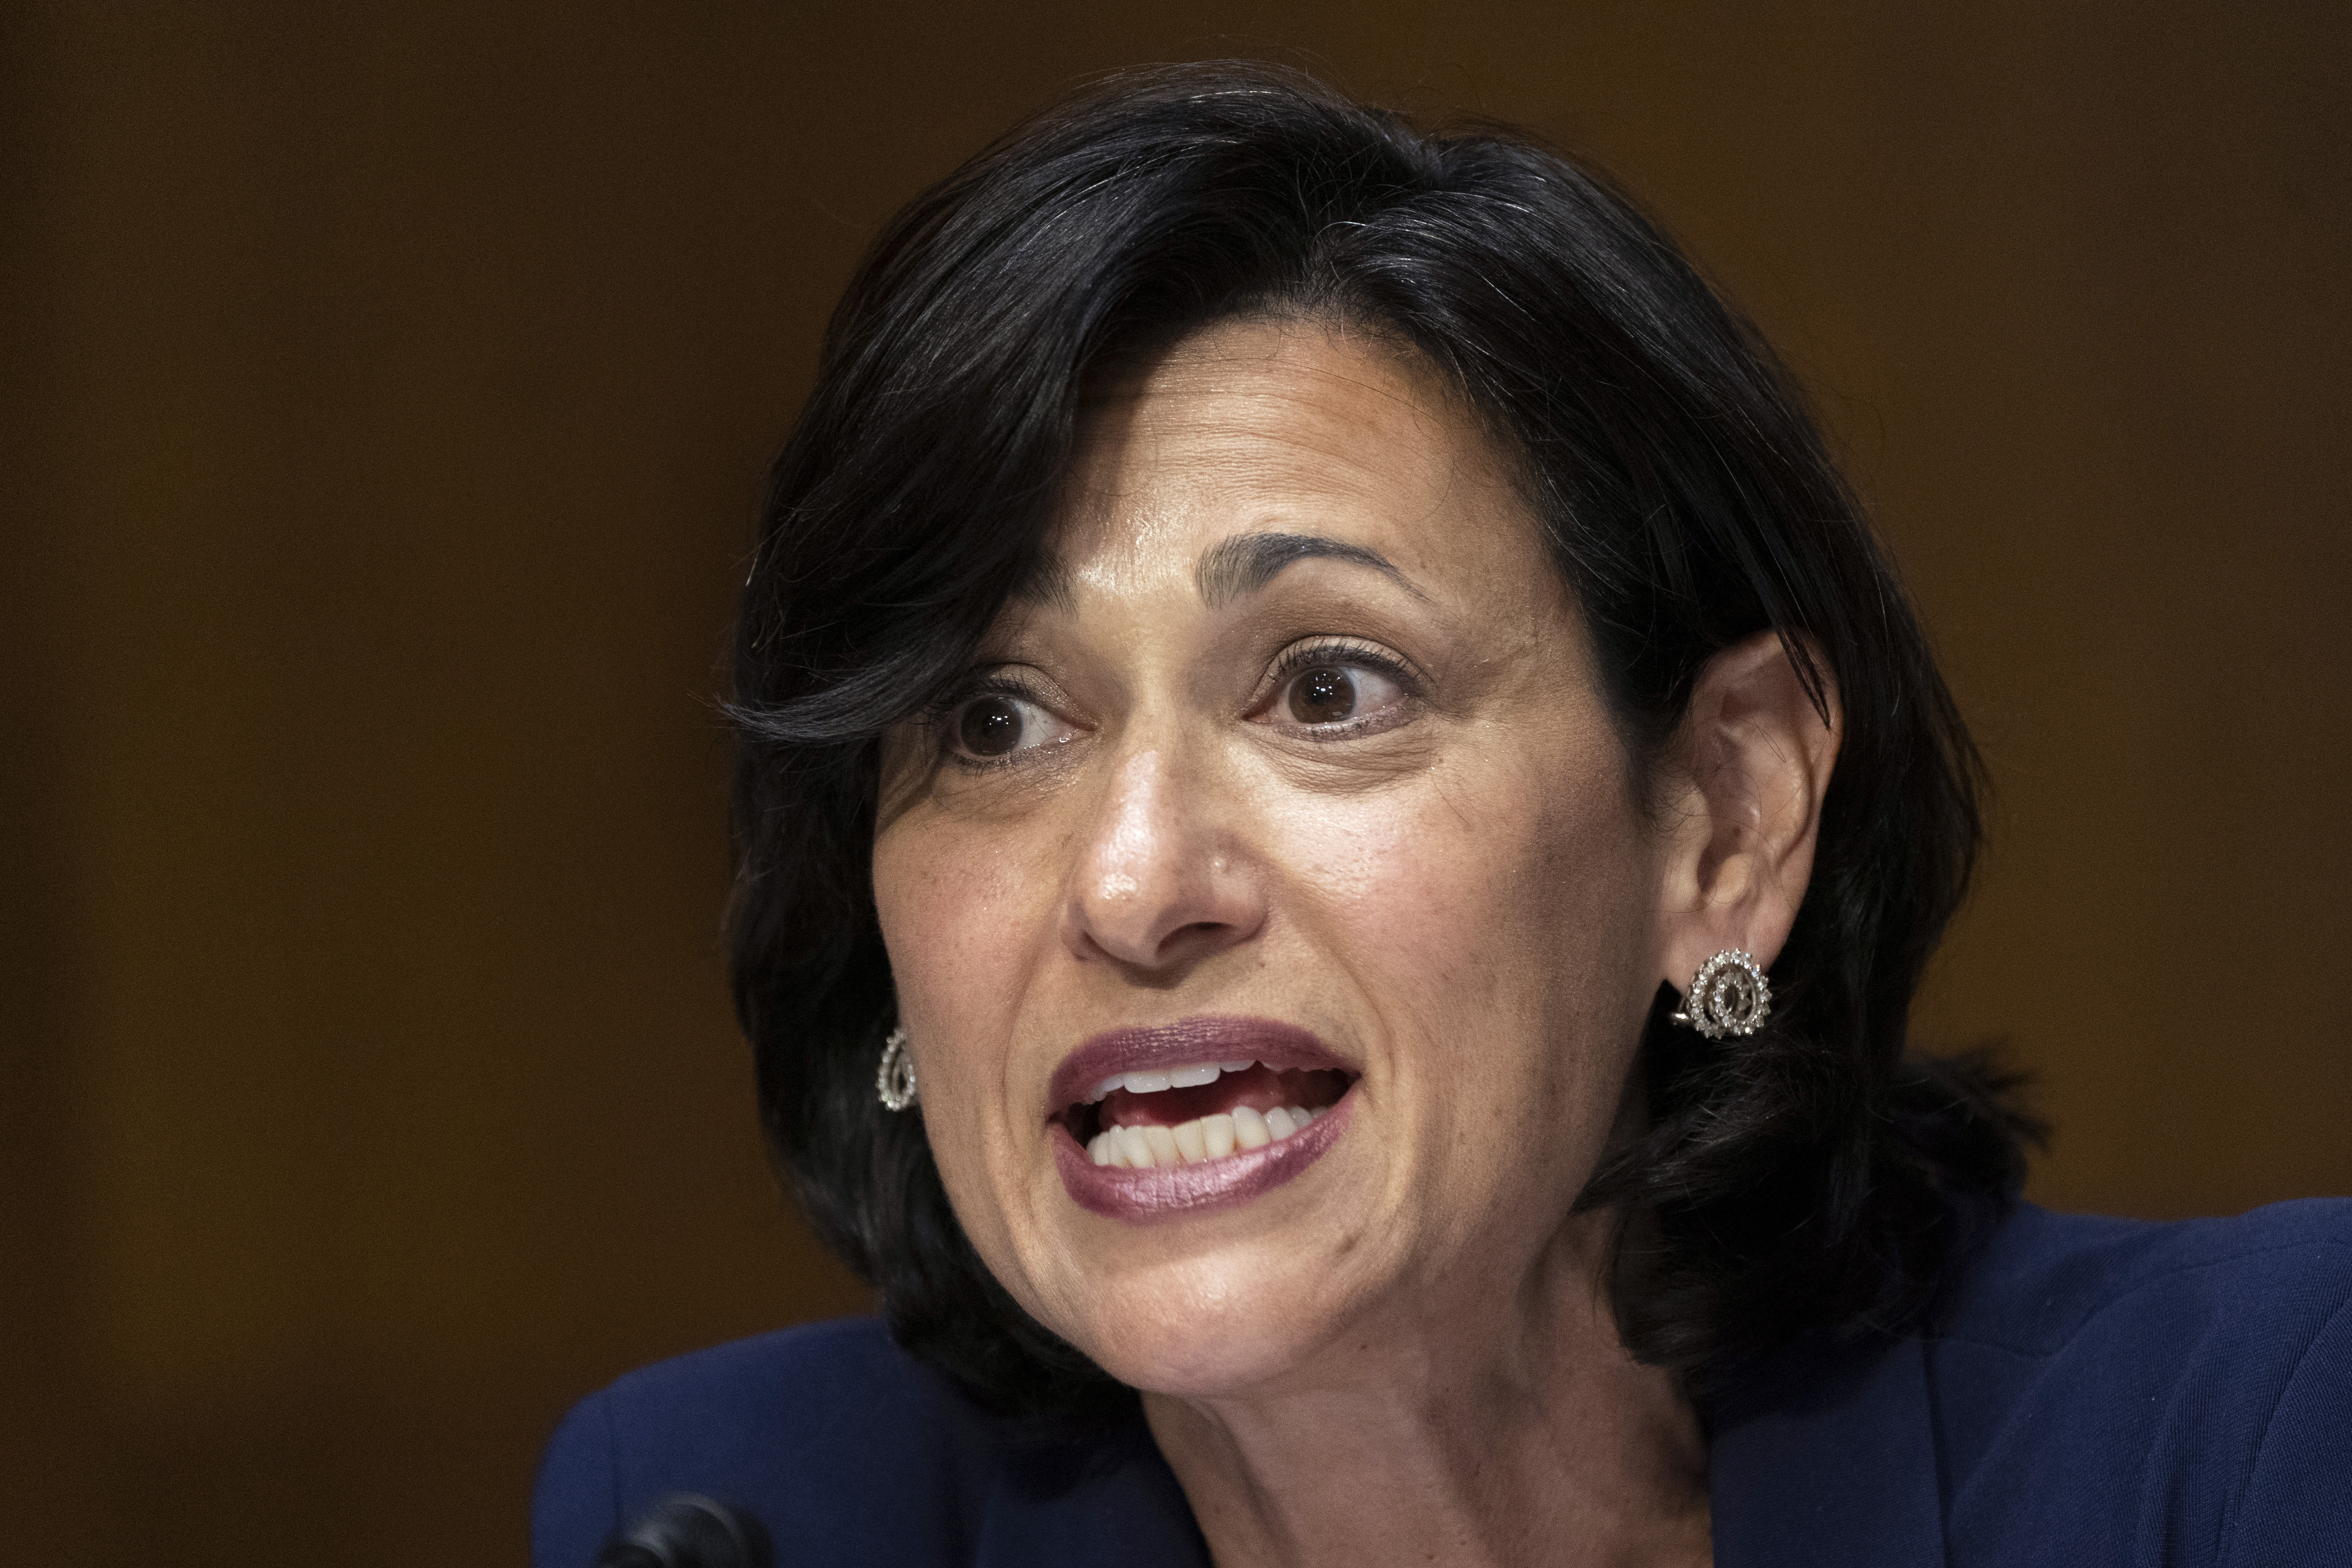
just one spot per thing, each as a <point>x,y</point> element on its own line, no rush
<point>1495,1424</point>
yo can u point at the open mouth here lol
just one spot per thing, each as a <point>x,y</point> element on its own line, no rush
<point>1166,1120</point>
<point>1199,1112</point>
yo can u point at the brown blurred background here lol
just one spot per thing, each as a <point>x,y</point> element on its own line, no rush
<point>388,390</point>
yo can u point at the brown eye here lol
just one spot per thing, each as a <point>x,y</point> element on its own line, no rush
<point>1323,696</point>
<point>1002,726</point>
<point>990,727</point>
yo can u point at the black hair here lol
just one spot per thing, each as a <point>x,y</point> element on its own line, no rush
<point>1804,1176</point>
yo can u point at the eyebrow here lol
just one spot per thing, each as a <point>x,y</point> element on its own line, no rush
<point>1047,582</point>
<point>1248,562</point>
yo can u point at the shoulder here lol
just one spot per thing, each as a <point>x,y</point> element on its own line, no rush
<point>2185,1387</point>
<point>849,1450</point>
<point>2042,1280</point>
<point>823,1431</point>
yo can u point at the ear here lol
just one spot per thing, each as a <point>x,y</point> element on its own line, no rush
<point>1741,806</point>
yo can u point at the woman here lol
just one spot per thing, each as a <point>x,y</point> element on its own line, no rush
<point>1337,819</point>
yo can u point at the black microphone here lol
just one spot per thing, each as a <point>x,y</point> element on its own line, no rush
<point>688,1532</point>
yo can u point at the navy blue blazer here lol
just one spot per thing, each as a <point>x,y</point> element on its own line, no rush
<point>2084,1392</point>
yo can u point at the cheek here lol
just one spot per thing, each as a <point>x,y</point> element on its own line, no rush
<point>959,917</point>
<point>1511,896</point>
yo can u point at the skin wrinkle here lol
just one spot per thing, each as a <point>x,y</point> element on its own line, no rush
<point>1463,899</point>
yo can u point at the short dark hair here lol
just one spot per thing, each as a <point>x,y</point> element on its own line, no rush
<point>1804,1176</point>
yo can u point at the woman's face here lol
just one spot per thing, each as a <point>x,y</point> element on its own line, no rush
<point>1291,788</point>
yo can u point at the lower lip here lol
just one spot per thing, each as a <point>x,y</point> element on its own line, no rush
<point>1180,1192</point>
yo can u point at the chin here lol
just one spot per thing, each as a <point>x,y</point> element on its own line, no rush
<point>1207,1326</point>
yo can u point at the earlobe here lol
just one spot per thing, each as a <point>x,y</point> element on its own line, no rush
<point>1747,774</point>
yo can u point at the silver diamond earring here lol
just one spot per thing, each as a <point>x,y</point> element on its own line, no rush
<point>1729,996</point>
<point>895,1084</point>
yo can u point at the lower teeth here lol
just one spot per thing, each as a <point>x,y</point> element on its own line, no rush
<point>1196,1142</point>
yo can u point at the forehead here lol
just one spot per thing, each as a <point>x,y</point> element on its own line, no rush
<point>1282,427</point>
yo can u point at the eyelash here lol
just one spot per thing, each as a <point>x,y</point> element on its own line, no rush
<point>1346,653</point>
<point>1341,650</point>
<point>940,714</point>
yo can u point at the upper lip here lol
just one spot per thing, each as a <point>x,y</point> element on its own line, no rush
<point>1285,1047</point>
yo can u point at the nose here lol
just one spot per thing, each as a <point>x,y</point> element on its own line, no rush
<point>1159,886</point>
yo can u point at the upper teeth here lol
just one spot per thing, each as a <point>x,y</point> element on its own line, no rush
<point>1198,1141</point>
<point>1173,1077</point>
